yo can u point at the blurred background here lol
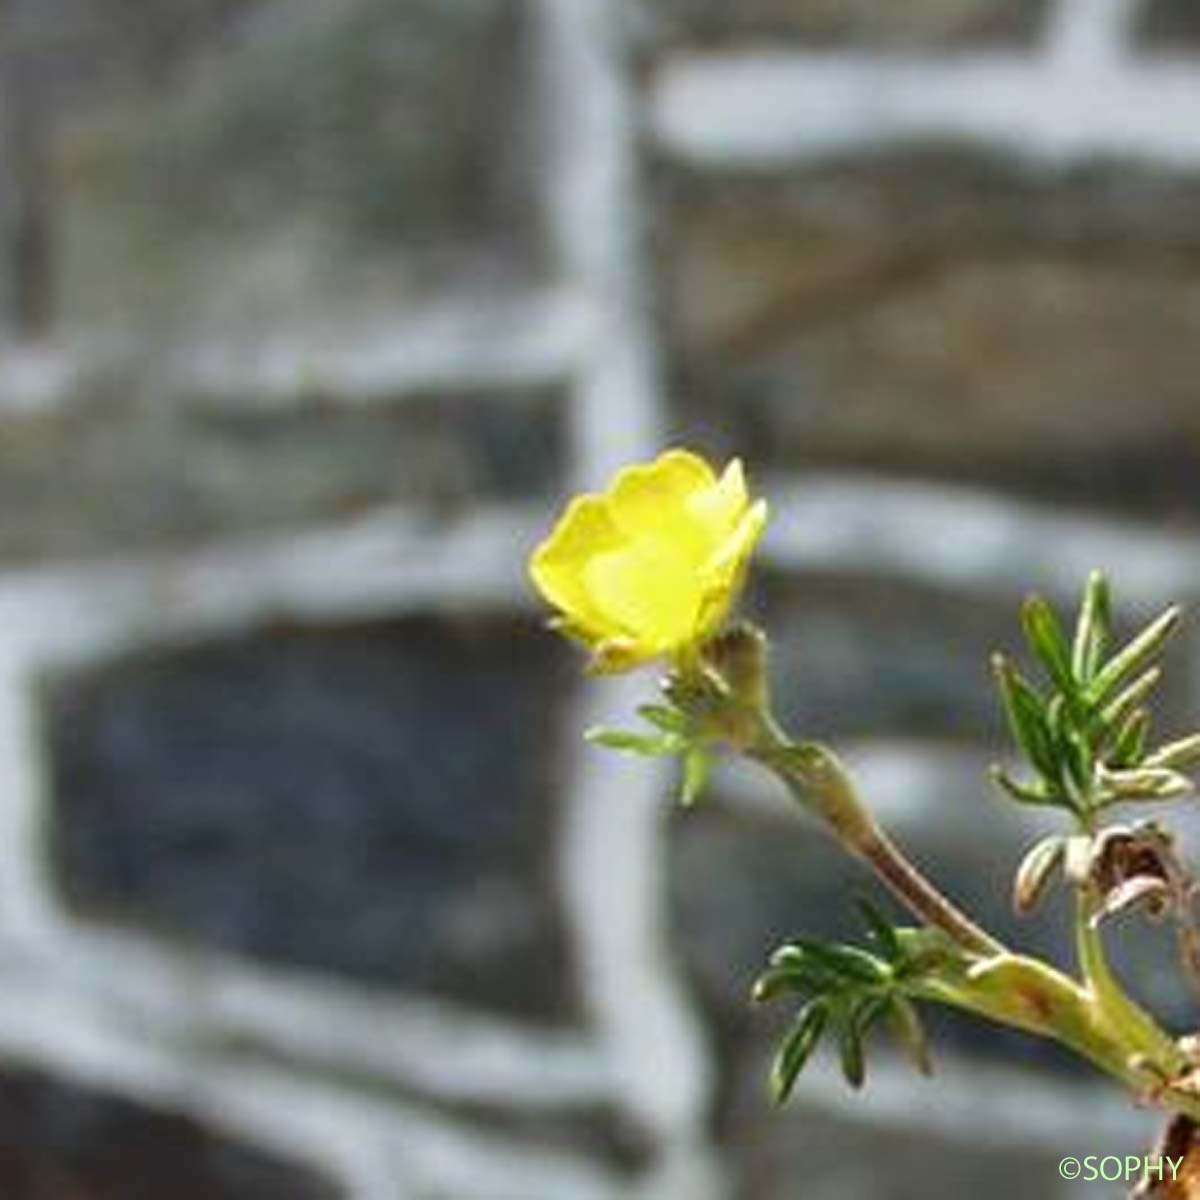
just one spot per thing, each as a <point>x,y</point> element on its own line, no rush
<point>312,313</point>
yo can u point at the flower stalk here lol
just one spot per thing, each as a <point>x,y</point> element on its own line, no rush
<point>814,777</point>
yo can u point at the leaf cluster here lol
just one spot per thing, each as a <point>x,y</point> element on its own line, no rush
<point>1085,730</point>
<point>846,991</point>
<point>672,734</point>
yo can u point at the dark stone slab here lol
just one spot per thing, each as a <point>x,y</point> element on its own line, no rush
<point>1168,25</point>
<point>376,801</point>
<point>928,24</point>
<point>113,477</point>
<point>59,1141</point>
<point>801,1151</point>
<point>935,313</point>
<point>857,656</point>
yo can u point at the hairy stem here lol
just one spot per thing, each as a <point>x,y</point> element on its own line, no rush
<point>821,784</point>
<point>1138,1027</point>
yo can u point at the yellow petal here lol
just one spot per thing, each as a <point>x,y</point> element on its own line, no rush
<point>557,565</point>
<point>725,572</point>
<point>648,587</point>
<point>719,508</point>
<point>654,564</point>
<point>653,499</point>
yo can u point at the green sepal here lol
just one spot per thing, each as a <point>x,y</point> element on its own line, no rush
<point>650,745</point>
<point>663,717</point>
<point>697,767</point>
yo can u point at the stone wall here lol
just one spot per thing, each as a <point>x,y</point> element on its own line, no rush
<point>311,316</point>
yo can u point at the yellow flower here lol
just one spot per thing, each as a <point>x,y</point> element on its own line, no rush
<point>652,566</point>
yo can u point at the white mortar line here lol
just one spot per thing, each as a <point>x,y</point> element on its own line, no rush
<point>980,1104</point>
<point>60,1033</point>
<point>1086,35</point>
<point>596,220</point>
<point>530,339</point>
<point>970,540</point>
<point>438,1047</point>
<point>612,852</point>
<point>384,1149</point>
<point>37,378</point>
<point>525,340</point>
<point>771,109</point>
<point>393,560</point>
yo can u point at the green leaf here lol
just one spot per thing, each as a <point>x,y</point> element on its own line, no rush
<point>1135,656</point>
<point>1046,640</point>
<point>866,1010</point>
<point>929,950</point>
<point>1130,744</point>
<point>849,962</point>
<point>797,1047</point>
<point>649,745</point>
<point>1035,871</point>
<point>1026,717</point>
<point>1129,698</point>
<point>909,1031</point>
<point>1077,758</point>
<point>1027,793</point>
<point>880,928</point>
<point>807,969</point>
<point>850,1050</point>
<point>1093,630</point>
<point>1145,783</point>
<point>661,716</point>
<point>815,977</point>
<point>776,981</point>
<point>697,767</point>
<point>1183,753</point>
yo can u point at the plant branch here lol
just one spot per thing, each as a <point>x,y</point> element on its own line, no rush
<point>820,783</point>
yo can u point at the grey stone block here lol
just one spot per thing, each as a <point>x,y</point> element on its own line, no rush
<point>376,801</point>
<point>941,314</point>
<point>61,1140</point>
<point>121,477</point>
<point>295,160</point>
